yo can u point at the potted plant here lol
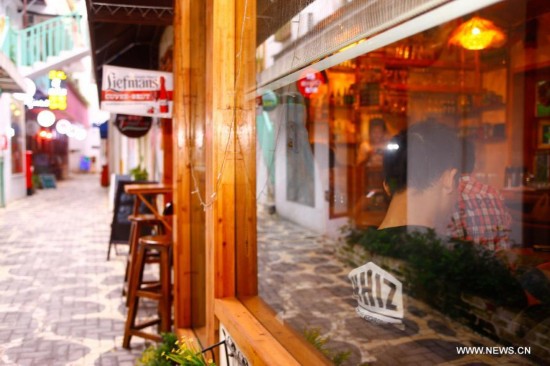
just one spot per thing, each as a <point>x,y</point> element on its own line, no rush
<point>174,351</point>
<point>139,173</point>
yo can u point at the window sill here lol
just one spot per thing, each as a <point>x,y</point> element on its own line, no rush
<point>246,322</point>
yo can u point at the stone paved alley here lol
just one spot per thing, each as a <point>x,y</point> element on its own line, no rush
<point>61,303</point>
<point>60,300</point>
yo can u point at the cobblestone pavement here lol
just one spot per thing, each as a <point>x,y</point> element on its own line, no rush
<point>60,300</point>
<point>61,304</point>
<point>302,279</point>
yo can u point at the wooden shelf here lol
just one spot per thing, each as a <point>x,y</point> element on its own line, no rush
<point>429,88</point>
<point>401,63</point>
<point>344,107</point>
<point>492,107</point>
<point>341,69</point>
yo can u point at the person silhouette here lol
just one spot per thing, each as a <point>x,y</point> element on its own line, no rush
<point>480,215</point>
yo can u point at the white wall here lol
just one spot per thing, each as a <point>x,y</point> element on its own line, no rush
<point>9,9</point>
<point>124,153</point>
<point>313,218</point>
<point>14,184</point>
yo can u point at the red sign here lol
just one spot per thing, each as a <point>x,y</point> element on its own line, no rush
<point>310,84</point>
<point>3,142</point>
<point>133,126</point>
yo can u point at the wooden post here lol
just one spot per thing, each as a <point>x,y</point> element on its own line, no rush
<point>220,157</point>
<point>196,128</point>
<point>181,173</point>
<point>214,77</point>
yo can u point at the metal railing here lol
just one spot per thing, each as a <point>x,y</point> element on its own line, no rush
<point>8,41</point>
<point>36,43</point>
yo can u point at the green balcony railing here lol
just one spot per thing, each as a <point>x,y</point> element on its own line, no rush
<point>34,44</point>
<point>8,41</point>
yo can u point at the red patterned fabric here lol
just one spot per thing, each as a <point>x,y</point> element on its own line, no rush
<point>480,216</point>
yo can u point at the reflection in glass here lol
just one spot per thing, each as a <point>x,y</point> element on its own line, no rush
<point>429,181</point>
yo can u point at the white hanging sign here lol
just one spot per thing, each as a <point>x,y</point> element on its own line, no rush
<point>378,293</point>
<point>137,92</point>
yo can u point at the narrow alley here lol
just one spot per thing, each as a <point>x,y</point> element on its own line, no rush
<point>61,300</point>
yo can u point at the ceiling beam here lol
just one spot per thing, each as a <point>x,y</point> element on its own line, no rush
<point>130,14</point>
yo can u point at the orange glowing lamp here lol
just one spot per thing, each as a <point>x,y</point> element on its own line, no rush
<point>46,135</point>
<point>477,34</point>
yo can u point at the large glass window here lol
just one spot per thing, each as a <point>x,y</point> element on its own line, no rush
<point>404,195</point>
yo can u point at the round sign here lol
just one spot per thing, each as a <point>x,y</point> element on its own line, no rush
<point>133,126</point>
<point>45,118</point>
<point>310,84</point>
<point>62,126</point>
<point>269,101</point>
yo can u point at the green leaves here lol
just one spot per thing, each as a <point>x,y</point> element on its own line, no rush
<point>439,271</point>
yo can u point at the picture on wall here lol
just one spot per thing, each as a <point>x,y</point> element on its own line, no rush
<point>542,105</point>
<point>543,136</point>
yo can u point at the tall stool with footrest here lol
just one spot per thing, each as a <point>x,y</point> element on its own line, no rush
<point>139,224</point>
<point>159,291</point>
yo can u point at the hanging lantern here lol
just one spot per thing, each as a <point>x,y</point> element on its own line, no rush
<point>477,34</point>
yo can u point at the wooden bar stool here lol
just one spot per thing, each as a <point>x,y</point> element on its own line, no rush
<point>159,291</point>
<point>138,224</point>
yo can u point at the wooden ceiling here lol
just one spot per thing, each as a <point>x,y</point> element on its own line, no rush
<point>127,32</point>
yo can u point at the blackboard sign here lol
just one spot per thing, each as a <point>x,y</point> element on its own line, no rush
<point>124,206</point>
<point>47,180</point>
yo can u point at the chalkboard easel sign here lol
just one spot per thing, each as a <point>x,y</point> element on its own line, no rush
<point>124,206</point>
<point>47,180</point>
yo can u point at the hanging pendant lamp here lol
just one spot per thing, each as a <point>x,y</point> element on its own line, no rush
<point>477,34</point>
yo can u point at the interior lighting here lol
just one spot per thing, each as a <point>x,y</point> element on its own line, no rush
<point>477,34</point>
<point>45,118</point>
<point>45,134</point>
<point>392,146</point>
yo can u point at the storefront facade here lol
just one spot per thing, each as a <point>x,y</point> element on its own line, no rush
<point>58,144</point>
<point>279,149</point>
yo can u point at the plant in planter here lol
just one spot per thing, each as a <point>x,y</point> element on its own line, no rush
<point>154,355</point>
<point>139,173</point>
<point>188,354</point>
<point>173,351</point>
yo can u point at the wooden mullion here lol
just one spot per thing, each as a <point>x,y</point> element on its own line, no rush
<point>245,116</point>
<point>220,159</point>
<point>197,129</point>
<point>182,177</point>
